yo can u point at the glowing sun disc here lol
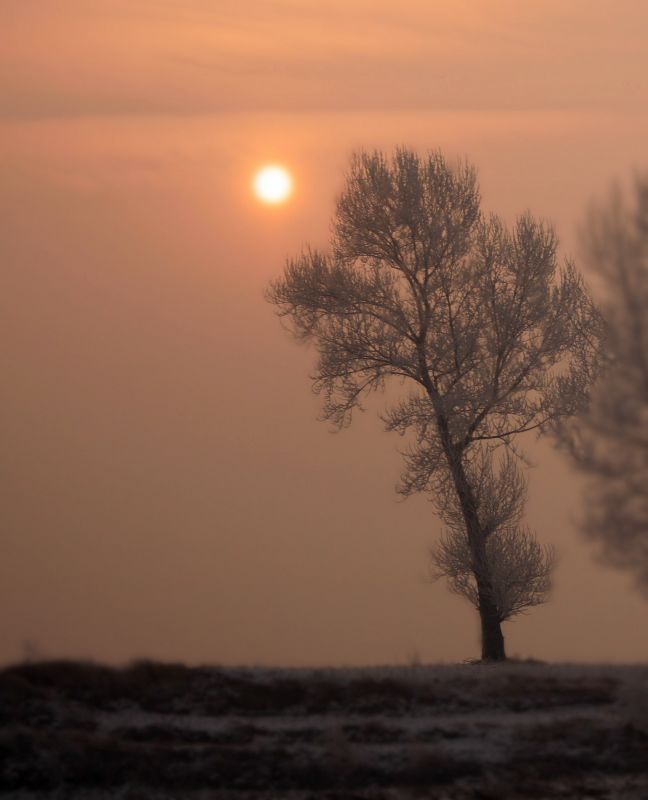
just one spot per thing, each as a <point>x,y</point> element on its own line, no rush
<point>273,184</point>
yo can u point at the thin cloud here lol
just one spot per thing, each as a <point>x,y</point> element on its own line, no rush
<point>155,57</point>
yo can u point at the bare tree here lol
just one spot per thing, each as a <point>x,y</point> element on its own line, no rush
<point>610,441</point>
<point>490,336</point>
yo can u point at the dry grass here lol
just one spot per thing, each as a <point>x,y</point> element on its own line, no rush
<point>508,731</point>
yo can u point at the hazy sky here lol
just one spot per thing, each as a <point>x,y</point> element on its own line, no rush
<point>167,489</point>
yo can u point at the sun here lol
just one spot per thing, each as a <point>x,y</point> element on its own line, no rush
<point>273,184</point>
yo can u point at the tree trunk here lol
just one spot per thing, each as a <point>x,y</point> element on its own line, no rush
<point>491,632</point>
<point>491,629</point>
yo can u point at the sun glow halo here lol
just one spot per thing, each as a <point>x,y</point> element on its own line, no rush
<point>273,184</point>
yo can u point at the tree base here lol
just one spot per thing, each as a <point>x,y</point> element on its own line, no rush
<point>492,638</point>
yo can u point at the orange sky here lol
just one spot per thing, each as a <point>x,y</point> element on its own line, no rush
<point>168,491</point>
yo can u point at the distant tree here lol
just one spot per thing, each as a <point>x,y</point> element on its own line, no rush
<point>609,442</point>
<point>490,336</point>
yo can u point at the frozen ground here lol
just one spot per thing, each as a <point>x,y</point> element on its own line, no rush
<point>74,730</point>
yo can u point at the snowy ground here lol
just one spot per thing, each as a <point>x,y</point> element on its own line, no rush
<point>70,730</point>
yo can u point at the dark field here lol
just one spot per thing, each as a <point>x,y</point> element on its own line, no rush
<point>80,730</point>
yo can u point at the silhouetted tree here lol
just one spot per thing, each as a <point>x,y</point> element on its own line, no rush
<point>492,338</point>
<point>610,441</point>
